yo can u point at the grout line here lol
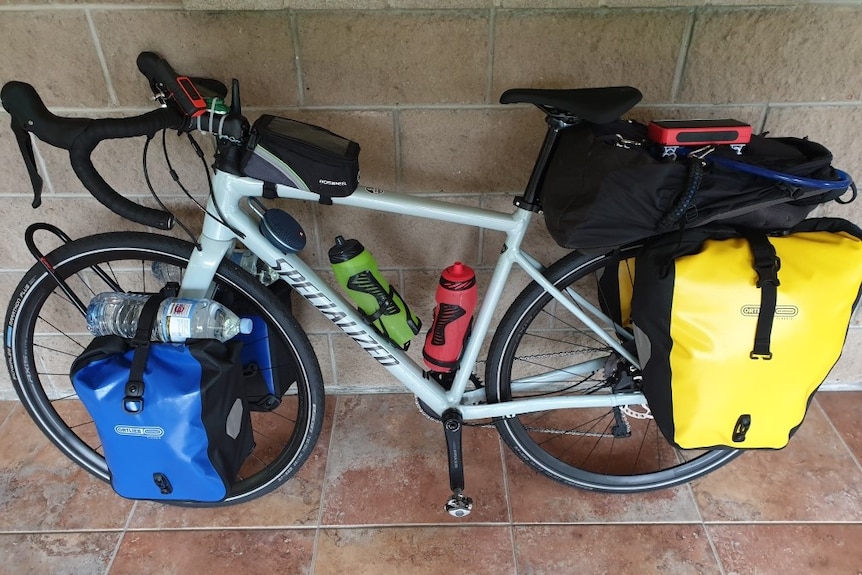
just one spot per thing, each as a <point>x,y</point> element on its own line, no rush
<point>121,538</point>
<point>480,257</point>
<point>9,415</point>
<point>332,363</point>
<point>714,549</point>
<point>764,114</point>
<point>682,59</point>
<point>316,230</point>
<point>502,449</point>
<point>489,80</point>
<point>765,117</point>
<point>294,34</point>
<point>323,483</point>
<point>95,6</point>
<point>703,526</point>
<point>83,111</point>
<point>399,164</point>
<point>112,94</point>
<point>838,435</point>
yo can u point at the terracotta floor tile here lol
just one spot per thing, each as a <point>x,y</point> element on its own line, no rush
<point>664,549</point>
<point>788,549</point>
<point>843,408</point>
<point>215,552</point>
<point>73,553</point>
<point>295,503</point>
<point>40,489</point>
<point>537,499</point>
<point>388,465</point>
<point>812,479</point>
<point>415,551</point>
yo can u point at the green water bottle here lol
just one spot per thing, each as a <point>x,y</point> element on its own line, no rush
<point>382,306</point>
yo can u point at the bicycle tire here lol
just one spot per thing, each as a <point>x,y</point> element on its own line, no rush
<point>578,447</point>
<point>45,333</point>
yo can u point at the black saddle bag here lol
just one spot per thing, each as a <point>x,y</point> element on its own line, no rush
<point>607,185</point>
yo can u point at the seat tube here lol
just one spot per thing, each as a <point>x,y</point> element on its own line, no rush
<point>530,200</point>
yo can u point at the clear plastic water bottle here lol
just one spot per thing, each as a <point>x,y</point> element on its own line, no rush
<point>253,265</point>
<point>178,319</point>
<point>165,273</point>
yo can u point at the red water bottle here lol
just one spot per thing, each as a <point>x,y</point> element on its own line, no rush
<point>453,317</point>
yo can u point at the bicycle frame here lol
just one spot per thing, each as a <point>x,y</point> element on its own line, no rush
<point>217,240</point>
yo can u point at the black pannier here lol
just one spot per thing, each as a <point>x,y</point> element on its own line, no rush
<point>303,156</point>
<point>607,185</point>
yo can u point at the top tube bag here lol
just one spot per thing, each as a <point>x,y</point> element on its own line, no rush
<point>303,156</point>
<point>607,185</point>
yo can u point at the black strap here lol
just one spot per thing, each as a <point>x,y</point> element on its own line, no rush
<point>270,191</point>
<point>133,402</point>
<point>766,264</point>
<point>26,147</point>
<point>684,200</point>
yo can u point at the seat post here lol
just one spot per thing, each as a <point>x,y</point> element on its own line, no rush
<point>556,123</point>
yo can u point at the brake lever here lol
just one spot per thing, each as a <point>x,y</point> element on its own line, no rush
<point>26,147</point>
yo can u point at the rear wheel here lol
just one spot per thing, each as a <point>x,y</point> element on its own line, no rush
<point>616,449</point>
<point>45,332</point>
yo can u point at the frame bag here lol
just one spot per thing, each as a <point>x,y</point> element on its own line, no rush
<point>606,186</point>
<point>736,333</point>
<point>172,418</point>
<point>303,156</point>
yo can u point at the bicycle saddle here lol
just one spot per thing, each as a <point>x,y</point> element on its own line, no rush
<point>596,105</point>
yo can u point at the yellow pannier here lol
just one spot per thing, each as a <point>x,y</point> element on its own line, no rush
<point>735,334</point>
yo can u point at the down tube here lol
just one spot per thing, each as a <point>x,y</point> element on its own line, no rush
<point>332,305</point>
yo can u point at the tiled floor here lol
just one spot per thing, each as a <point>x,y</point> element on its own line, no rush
<point>370,501</point>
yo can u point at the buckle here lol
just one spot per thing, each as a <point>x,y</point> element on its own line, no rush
<point>767,273</point>
<point>134,401</point>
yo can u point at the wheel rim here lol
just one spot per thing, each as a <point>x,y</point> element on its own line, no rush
<point>58,334</point>
<point>583,447</point>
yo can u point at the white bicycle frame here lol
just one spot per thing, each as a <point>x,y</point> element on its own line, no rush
<point>217,240</point>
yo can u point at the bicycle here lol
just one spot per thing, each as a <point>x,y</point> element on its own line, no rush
<point>561,383</point>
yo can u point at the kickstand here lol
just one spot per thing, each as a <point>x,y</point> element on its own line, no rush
<point>459,505</point>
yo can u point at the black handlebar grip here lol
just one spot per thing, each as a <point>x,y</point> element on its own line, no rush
<point>158,71</point>
<point>29,112</point>
<point>104,129</point>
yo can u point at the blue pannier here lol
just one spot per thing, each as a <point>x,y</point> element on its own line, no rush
<point>181,429</point>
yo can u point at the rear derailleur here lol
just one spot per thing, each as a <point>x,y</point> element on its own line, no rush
<point>621,376</point>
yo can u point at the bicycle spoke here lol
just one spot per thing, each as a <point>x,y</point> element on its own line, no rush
<point>542,350</point>
<point>53,332</point>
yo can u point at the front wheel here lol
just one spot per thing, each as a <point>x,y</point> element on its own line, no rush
<point>616,449</point>
<point>45,332</point>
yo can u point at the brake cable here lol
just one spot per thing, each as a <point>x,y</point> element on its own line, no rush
<point>156,197</point>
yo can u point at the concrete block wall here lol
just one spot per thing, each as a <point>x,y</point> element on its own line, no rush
<point>417,84</point>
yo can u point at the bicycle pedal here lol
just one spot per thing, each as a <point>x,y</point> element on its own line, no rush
<point>459,505</point>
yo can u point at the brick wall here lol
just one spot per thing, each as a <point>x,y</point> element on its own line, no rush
<point>418,89</point>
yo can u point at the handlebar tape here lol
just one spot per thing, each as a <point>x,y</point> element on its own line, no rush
<point>158,71</point>
<point>29,112</point>
<point>81,136</point>
<point>110,128</point>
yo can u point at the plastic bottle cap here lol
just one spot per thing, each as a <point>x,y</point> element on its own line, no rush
<point>245,325</point>
<point>458,272</point>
